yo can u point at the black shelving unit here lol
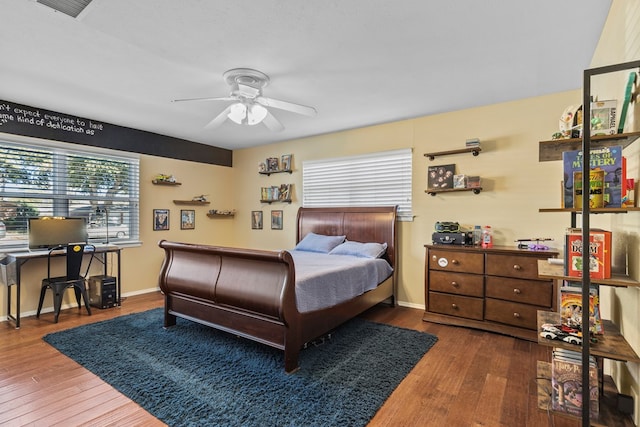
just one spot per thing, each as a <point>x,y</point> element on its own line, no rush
<point>586,280</point>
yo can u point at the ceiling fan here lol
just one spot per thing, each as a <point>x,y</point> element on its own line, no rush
<point>250,107</point>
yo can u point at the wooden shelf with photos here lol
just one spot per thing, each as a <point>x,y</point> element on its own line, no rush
<point>434,191</point>
<point>273,165</point>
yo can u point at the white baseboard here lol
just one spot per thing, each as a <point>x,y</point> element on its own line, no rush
<point>74,305</point>
<point>157,289</point>
<point>411,305</point>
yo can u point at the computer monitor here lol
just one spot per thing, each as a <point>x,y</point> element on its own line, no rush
<point>48,232</point>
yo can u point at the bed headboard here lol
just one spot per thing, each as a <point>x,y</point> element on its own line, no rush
<point>361,224</point>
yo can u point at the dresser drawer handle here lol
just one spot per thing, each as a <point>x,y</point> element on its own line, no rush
<point>516,291</point>
<point>455,284</point>
<point>454,262</point>
<point>516,315</point>
<point>517,267</point>
<point>454,306</point>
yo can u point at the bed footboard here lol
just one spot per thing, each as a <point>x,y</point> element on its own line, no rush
<point>249,293</point>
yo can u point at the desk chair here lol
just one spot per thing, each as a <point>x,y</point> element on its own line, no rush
<point>74,279</point>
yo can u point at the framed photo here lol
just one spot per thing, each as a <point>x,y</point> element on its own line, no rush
<point>160,219</point>
<point>440,177</point>
<point>285,162</point>
<point>187,219</point>
<point>273,164</point>
<point>276,220</point>
<point>256,220</point>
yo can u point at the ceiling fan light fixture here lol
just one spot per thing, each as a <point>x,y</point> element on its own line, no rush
<point>238,112</point>
<point>256,114</point>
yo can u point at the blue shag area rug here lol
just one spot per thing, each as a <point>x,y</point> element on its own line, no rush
<point>193,375</point>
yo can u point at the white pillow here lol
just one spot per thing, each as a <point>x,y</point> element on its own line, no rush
<point>363,250</point>
<point>313,242</point>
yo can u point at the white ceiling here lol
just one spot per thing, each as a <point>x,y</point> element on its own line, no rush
<point>358,62</point>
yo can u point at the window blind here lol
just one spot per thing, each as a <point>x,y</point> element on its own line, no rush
<point>52,180</point>
<point>377,179</point>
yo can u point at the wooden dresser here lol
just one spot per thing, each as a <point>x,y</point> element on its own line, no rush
<point>494,289</point>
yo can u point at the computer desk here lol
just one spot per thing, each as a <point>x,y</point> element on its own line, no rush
<point>21,258</point>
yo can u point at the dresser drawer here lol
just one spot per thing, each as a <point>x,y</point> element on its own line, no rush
<point>535,292</point>
<point>457,283</point>
<point>456,305</point>
<point>520,267</point>
<point>459,261</point>
<point>511,313</point>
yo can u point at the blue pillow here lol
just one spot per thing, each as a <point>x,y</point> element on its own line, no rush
<point>313,242</point>
<point>363,250</point>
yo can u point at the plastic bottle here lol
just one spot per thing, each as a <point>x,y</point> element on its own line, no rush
<point>477,235</point>
<point>487,237</point>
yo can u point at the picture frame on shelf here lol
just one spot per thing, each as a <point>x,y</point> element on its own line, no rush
<point>161,219</point>
<point>273,164</point>
<point>284,192</point>
<point>187,219</point>
<point>276,220</point>
<point>440,177</point>
<point>256,220</point>
<point>285,162</point>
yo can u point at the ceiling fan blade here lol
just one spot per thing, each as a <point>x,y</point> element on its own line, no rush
<point>224,98</point>
<point>219,119</point>
<point>272,123</point>
<point>288,106</point>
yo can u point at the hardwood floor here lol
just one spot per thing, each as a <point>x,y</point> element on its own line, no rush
<point>469,378</point>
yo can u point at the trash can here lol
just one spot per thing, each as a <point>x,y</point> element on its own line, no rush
<point>8,271</point>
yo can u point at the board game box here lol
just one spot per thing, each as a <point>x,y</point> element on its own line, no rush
<point>599,253</point>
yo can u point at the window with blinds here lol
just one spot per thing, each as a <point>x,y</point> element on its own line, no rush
<point>378,179</point>
<point>38,181</point>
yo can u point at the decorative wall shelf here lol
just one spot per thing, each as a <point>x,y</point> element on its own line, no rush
<point>168,183</point>
<point>190,202</point>
<point>552,150</point>
<point>474,150</point>
<point>289,171</point>
<point>217,215</point>
<point>276,201</point>
<point>433,192</point>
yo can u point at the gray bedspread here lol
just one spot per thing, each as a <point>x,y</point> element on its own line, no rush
<point>325,280</point>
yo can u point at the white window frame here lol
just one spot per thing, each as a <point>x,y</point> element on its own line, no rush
<point>375,179</point>
<point>60,200</point>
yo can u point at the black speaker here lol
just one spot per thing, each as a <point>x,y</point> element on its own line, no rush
<point>102,291</point>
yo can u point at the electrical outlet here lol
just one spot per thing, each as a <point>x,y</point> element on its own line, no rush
<point>636,406</point>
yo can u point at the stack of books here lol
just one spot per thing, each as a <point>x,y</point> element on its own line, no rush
<point>472,143</point>
<point>566,382</point>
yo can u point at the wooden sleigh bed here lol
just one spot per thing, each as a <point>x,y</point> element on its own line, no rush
<point>252,293</point>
